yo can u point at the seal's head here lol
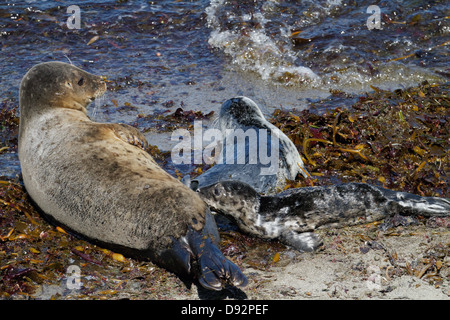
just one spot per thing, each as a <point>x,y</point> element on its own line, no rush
<point>58,85</point>
<point>229,197</point>
<point>238,112</point>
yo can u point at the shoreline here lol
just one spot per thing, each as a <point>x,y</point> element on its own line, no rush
<point>359,262</point>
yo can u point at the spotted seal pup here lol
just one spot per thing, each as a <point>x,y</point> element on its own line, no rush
<point>97,180</point>
<point>237,192</point>
<point>292,215</point>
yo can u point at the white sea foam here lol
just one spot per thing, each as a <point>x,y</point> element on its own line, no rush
<point>254,49</point>
<point>315,44</point>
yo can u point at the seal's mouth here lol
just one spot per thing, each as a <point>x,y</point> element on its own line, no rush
<point>100,91</point>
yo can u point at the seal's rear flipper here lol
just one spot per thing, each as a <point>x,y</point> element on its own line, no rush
<point>407,203</point>
<point>197,254</point>
<point>214,271</point>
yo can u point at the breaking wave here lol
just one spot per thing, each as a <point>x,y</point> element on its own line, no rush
<point>327,42</point>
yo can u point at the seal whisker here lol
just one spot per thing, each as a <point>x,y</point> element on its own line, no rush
<point>67,57</point>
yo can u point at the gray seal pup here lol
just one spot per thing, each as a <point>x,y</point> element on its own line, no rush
<point>292,215</point>
<point>241,192</point>
<point>253,150</point>
<point>97,180</point>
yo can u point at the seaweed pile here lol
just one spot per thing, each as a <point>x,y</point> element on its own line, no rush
<point>163,121</point>
<point>398,140</point>
<point>9,126</point>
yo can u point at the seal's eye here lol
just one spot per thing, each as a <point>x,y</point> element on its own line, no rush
<point>217,191</point>
<point>81,81</point>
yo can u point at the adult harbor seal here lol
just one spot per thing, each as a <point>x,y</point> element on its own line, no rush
<point>97,180</point>
<point>290,216</point>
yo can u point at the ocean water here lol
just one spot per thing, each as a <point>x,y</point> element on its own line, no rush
<point>162,55</point>
<point>328,43</point>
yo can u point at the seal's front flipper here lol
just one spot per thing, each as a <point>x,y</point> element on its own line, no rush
<point>130,135</point>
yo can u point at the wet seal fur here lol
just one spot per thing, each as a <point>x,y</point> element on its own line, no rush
<point>292,215</point>
<point>97,180</point>
<point>242,113</point>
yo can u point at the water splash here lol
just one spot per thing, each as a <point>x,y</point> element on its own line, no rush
<point>254,50</point>
<point>327,44</point>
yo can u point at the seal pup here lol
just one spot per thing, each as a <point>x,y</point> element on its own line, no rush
<point>97,180</point>
<point>290,216</point>
<point>248,138</point>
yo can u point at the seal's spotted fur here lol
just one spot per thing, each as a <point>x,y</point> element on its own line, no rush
<point>292,215</point>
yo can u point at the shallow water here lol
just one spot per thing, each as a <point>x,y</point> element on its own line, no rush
<point>161,55</point>
<point>330,44</point>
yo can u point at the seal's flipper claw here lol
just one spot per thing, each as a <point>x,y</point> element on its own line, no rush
<point>213,269</point>
<point>237,277</point>
<point>130,135</point>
